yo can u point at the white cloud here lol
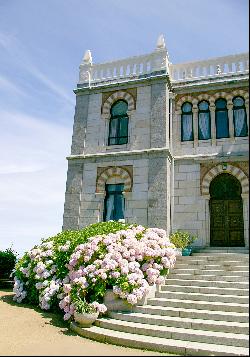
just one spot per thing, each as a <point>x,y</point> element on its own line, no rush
<point>7,85</point>
<point>19,54</point>
<point>32,179</point>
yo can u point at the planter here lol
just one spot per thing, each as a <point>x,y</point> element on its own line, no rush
<point>187,251</point>
<point>178,251</point>
<point>85,319</point>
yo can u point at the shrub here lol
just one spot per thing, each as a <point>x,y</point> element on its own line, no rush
<point>182,239</point>
<point>77,267</point>
<point>8,260</point>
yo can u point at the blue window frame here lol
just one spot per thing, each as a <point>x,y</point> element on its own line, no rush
<point>204,121</point>
<point>187,122</point>
<point>221,119</point>
<point>118,125</point>
<point>240,117</point>
<point>114,203</point>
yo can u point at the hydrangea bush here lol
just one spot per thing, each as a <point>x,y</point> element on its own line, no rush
<point>83,264</point>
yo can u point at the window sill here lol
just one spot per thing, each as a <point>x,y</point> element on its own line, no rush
<point>117,147</point>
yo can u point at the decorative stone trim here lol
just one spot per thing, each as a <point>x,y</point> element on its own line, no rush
<point>113,98</point>
<point>212,97</point>
<point>218,169</point>
<point>111,172</point>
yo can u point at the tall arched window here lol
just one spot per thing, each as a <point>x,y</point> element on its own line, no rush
<point>204,121</point>
<point>187,122</point>
<point>118,126</point>
<point>221,119</point>
<point>240,120</point>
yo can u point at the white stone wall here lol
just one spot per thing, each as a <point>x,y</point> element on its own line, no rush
<point>138,127</point>
<point>91,208</point>
<point>189,205</point>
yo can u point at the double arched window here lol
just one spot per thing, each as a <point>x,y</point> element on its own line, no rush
<point>187,122</point>
<point>221,119</point>
<point>204,121</point>
<point>118,125</point>
<point>240,120</point>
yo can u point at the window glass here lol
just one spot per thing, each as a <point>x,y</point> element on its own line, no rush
<point>118,126</point>
<point>114,203</point>
<point>204,121</point>
<point>240,120</point>
<point>187,122</point>
<point>221,119</point>
<point>119,108</point>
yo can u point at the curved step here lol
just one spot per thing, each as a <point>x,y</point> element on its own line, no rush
<point>183,295</point>
<point>193,313</point>
<point>181,348</point>
<point>205,290</point>
<point>206,283</point>
<point>204,305</point>
<point>175,321</point>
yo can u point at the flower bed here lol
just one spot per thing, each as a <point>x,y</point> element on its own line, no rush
<point>84,264</point>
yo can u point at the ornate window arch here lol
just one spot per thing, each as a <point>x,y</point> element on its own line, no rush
<point>114,175</point>
<point>119,95</point>
<point>219,169</point>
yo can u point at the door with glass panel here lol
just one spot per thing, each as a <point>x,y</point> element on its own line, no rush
<point>114,203</point>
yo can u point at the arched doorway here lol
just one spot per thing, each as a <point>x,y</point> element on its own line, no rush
<point>226,212</point>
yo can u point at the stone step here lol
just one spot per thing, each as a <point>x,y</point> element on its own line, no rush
<point>179,347</point>
<point>206,283</point>
<point>218,272</point>
<point>220,338</point>
<point>183,322</point>
<point>205,290</point>
<point>237,250</point>
<point>202,305</point>
<point>213,277</point>
<point>193,313</point>
<point>216,257</point>
<point>202,297</point>
<point>212,266</point>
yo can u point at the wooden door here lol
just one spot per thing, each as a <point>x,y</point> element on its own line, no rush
<point>226,223</point>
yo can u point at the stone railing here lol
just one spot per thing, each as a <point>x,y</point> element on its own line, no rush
<point>120,70</point>
<point>156,63</point>
<point>213,67</point>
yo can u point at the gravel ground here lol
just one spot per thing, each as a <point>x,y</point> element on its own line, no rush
<point>28,331</point>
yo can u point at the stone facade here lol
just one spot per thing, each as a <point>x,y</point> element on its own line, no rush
<point>162,175</point>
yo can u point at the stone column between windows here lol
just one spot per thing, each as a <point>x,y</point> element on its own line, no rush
<point>247,111</point>
<point>195,125</point>
<point>213,126</point>
<point>245,200</point>
<point>230,120</point>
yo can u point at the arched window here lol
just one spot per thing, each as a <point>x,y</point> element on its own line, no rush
<point>240,120</point>
<point>118,126</point>
<point>187,122</point>
<point>204,121</point>
<point>221,119</point>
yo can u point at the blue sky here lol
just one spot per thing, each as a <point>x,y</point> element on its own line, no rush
<point>41,46</point>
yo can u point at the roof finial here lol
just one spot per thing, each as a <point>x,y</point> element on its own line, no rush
<point>87,58</point>
<point>160,44</point>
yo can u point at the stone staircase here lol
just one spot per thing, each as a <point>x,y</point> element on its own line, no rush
<point>201,310</point>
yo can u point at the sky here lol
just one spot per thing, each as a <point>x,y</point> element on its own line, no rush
<point>42,43</point>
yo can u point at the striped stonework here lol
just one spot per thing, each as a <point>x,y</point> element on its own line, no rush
<point>114,175</point>
<point>230,169</point>
<point>211,97</point>
<point>119,95</point>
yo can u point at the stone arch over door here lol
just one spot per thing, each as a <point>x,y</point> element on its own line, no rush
<point>205,184</point>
